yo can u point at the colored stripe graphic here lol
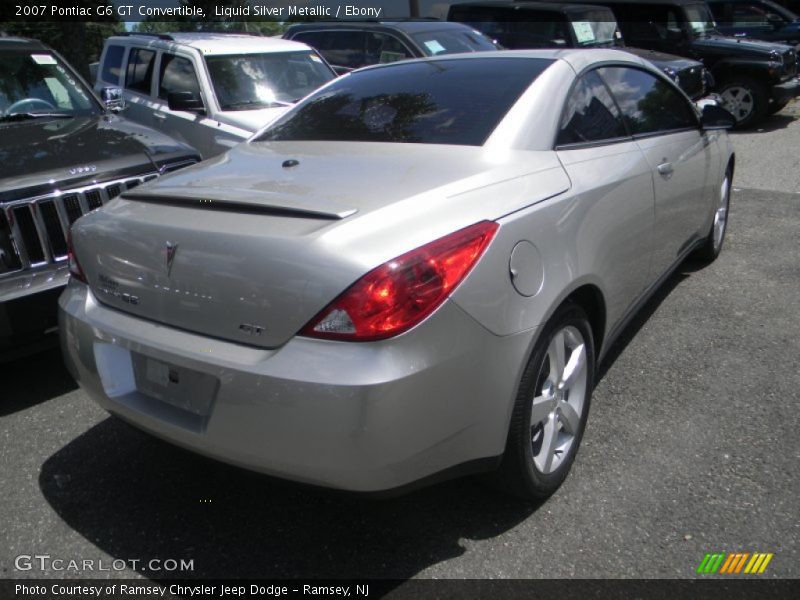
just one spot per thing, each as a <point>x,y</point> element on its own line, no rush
<point>734,563</point>
<point>711,563</point>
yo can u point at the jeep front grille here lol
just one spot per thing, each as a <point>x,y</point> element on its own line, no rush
<point>33,231</point>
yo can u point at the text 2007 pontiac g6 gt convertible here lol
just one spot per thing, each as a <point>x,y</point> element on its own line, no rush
<point>413,273</point>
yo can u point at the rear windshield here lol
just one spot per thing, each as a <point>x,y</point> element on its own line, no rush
<point>434,102</point>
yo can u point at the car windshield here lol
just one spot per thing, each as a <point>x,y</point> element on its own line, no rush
<point>596,28</point>
<point>700,19</point>
<point>250,81</point>
<point>452,41</point>
<point>432,102</point>
<point>37,83</point>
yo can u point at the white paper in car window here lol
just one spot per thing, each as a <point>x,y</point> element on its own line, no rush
<point>583,31</point>
<point>43,59</point>
<point>434,47</point>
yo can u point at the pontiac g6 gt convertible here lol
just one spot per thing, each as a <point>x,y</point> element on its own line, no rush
<point>413,274</point>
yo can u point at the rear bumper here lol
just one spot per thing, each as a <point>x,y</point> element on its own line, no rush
<point>786,91</point>
<point>28,309</point>
<point>358,417</point>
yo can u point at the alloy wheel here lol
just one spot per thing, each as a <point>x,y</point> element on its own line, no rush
<point>739,101</point>
<point>557,408</point>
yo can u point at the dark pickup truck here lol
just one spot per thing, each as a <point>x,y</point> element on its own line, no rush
<point>519,25</point>
<point>62,154</point>
<point>753,78</point>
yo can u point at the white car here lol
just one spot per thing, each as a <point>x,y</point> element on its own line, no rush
<point>210,90</point>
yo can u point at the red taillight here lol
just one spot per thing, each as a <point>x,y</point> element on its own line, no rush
<point>75,270</point>
<point>397,295</point>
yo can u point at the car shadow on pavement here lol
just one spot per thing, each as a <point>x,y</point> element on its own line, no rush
<point>26,382</point>
<point>772,123</point>
<point>136,497</point>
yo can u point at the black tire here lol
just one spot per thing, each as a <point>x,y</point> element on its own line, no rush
<point>709,251</point>
<point>518,473</point>
<point>737,92</point>
<point>776,107</point>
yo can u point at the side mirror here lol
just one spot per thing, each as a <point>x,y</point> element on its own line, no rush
<point>113,99</point>
<point>188,101</point>
<point>716,117</point>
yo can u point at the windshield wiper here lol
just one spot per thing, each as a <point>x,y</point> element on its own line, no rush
<point>25,116</point>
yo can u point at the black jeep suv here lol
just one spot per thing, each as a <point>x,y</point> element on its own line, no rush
<point>520,25</point>
<point>62,154</point>
<point>754,78</point>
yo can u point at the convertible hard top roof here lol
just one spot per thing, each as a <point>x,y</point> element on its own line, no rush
<point>577,58</point>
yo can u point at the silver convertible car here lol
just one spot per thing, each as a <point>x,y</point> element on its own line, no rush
<point>413,274</point>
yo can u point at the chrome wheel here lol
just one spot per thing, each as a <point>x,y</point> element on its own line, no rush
<point>739,101</point>
<point>558,405</point>
<point>721,215</point>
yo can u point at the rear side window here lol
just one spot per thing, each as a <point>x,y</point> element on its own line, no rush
<point>112,64</point>
<point>340,48</point>
<point>140,70</point>
<point>177,75</point>
<point>648,103</point>
<point>436,102</point>
<point>590,114</point>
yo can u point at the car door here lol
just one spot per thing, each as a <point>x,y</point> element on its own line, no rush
<point>177,73</point>
<point>138,87</point>
<point>680,154</point>
<point>612,181</point>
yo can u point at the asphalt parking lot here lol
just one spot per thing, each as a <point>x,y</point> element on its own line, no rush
<point>692,447</point>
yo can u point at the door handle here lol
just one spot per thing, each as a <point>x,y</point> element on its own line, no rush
<point>665,169</point>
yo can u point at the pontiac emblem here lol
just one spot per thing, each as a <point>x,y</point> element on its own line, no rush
<point>83,170</point>
<point>171,250</point>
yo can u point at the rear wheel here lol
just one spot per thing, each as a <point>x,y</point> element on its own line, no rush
<point>746,99</point>
<point>551,408</point>
<point>711,248</point>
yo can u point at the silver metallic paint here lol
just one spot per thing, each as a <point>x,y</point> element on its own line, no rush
<point>372,416</point>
